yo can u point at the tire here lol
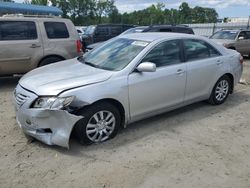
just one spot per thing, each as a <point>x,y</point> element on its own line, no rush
<point>88,130</point>
<point>220,91</point>
<point>49,60</point>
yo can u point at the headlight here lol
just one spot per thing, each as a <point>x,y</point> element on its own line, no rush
<point>53,102</point>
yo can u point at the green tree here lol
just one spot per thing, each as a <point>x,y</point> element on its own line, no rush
<point>185,13</point>
<point>40,2</point>
<point>104,8</point>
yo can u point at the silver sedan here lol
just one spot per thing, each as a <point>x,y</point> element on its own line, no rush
<point>128,78</point>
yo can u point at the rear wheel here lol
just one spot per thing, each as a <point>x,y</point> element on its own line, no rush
<point>220,91</point>
<point>101,122</point>
<point>49,60</point>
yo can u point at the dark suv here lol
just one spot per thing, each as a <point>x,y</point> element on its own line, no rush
<point>151,28</point>
<point>103,32</point>
<point>169,28</point>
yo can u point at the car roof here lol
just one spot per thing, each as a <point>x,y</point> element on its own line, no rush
<point>21,18</point>
<point>153,36</point>
<point>169,26</point>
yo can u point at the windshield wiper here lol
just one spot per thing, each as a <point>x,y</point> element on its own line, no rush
<point>91,64</point>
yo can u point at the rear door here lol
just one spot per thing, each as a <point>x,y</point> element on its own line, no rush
<point>21,45</point>
<point>203,67</point>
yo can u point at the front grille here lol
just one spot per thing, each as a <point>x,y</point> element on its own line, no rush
<point>20,98</point>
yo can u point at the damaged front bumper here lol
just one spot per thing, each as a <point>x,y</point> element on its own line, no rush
<point>52,127</point>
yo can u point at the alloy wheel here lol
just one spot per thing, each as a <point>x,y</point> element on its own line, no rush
<point>100,126</point>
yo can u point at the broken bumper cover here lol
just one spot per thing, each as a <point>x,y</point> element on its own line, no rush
<point>52,127</point>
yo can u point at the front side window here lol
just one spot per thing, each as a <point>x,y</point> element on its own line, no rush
<point>56,30</point>
<point>166,53</point>
<point>17,30</point>
<point>114,55</point>
<point>196,49</point>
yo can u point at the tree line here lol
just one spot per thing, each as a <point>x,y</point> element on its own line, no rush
<point>86,12</point>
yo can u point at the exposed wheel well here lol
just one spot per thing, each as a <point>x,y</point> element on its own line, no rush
<point>57,56</point>
<point>232,81</point>
<point>231,47</point>
<point>114,102</point>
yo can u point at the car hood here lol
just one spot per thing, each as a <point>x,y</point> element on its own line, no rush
<point>56,78</point>
<point>223,41</point>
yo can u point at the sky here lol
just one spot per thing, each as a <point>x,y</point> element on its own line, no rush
<point>225,8</point>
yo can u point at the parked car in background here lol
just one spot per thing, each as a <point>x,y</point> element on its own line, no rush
<point>169,28</point>
<point>30,42</point>
<point>151,28</point>
<point>80,30</point>
<point>138,29</point>
<point>128,78</point>
<point>103,32</point>
<point>238,40</point>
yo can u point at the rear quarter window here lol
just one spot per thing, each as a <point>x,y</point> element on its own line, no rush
<point>56,30</point>
<point>17,30</point>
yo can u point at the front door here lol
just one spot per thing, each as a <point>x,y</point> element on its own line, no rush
<point>150,92</point>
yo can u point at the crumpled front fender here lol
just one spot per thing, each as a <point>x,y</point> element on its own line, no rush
<point>52,127</point>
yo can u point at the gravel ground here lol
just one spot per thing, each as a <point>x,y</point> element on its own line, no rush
<point>196,146</point>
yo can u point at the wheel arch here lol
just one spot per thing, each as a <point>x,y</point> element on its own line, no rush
<point>112,101</point>
<point>231,77</point>
<point>48,56</point>
<point>232,48</point>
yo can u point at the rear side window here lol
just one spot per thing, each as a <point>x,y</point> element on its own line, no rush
<point>196,49</point>
<point>56,30</point>
<point>17,30</point>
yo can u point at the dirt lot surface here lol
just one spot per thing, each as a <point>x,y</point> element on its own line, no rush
<point>196,146</point>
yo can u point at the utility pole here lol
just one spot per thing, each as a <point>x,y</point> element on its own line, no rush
<point>248,22</point>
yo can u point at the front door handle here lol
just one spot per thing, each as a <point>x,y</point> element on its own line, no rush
<point>180,71</point>
<point>35,46</point>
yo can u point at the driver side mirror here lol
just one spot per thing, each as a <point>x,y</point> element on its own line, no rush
<point>146,67</point>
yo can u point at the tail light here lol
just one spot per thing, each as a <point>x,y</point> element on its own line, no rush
<point>79,46</point>
<point>241,59</point>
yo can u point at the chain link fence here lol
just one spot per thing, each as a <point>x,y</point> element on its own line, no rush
<point>209,29</point>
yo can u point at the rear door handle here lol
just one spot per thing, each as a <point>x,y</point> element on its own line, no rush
<point>180,71</point>
<point>35,46</point>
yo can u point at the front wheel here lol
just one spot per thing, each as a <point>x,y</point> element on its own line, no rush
<point>220,91</point>
<point>101,122</point>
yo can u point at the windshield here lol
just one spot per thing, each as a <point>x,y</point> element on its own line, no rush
<point>231,35</point>
<point>115,55</point>
<point>90,30</point>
